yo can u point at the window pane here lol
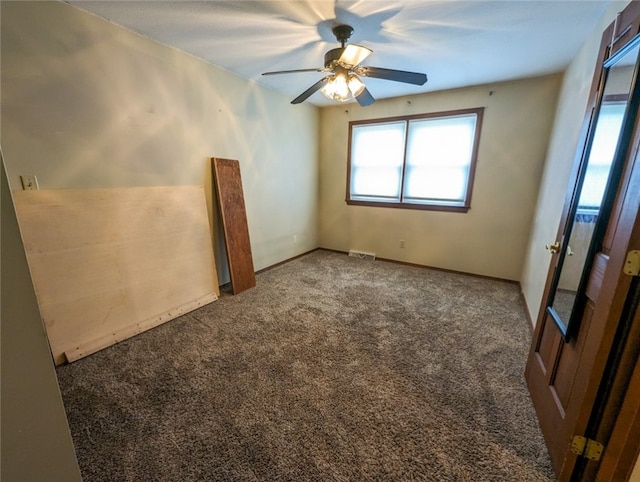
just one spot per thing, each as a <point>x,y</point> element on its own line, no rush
<point>605,140</point>
<point>376,160</point>
<point>383,182</point>
<point>439,153</point>
<point>593,187</point>
<point>441,183</point>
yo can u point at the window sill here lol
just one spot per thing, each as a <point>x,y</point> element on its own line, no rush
<point>420,207</point>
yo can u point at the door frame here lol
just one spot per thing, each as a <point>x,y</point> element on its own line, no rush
<point>619,420</point>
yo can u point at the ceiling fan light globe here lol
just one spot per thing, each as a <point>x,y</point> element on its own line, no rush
<point>329,88</point>
<point>342,93</point>
<point>355,85</point>
<point>337,88</point>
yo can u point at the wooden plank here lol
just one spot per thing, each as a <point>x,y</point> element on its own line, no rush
<point>228,182</point>
<point>109,263</point>
<point>85,348</point>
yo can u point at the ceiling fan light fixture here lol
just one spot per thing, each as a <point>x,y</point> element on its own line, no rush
<point>343,83</point>
<point>337,88</point>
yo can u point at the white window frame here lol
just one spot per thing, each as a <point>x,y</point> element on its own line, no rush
<point>395,162</point>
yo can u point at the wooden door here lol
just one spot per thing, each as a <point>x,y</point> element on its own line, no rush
<point>586,293</point>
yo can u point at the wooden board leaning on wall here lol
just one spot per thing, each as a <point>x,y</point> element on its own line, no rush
<point>108,264</point>
<point>228,185</point>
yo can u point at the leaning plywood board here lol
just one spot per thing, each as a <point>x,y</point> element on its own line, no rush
<point>226,173</point>
<point>110,263</point>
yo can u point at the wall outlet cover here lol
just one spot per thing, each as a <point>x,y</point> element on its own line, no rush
<point>29,183</point>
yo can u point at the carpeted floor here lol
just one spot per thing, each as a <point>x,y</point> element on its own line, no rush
<point>331,369</point>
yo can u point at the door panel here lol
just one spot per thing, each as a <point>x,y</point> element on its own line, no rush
<point>578,317</point>
<point>596,276</point>
<point>546,351</point>
<point>568,362</point>
<point>551,376</point>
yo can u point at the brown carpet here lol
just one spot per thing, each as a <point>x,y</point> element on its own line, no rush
<point>331,369</point>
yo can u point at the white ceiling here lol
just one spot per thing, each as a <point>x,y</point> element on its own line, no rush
<point>456,43</point>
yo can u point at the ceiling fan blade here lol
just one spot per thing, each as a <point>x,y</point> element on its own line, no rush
<point>278,72</point>
<point>365,98</point>
<point>395,75</point>
<point>354,54</point>
<point>311,90</point>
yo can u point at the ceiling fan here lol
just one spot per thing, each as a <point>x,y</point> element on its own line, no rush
<point>344,82</point>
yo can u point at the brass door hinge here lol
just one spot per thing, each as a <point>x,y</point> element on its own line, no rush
<point>632,264</point>
<point>588,448</point>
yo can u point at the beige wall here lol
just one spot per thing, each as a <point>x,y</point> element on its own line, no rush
<point>491,238</point>
<point>568,123</point>
<point>88,104</point>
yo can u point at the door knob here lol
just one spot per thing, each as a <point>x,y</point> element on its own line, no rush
<point>553,248</point>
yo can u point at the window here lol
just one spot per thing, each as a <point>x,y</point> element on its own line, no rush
<point>420,162</point>
<point>603,148</point>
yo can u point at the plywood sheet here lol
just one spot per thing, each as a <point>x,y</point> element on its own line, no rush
<point>226,173</point>
<point>109,263</point>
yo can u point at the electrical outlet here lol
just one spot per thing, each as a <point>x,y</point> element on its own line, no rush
<point>29,183</point>
<point>402,243</point>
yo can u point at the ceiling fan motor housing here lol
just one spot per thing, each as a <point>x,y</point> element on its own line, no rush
<point>342,33</point>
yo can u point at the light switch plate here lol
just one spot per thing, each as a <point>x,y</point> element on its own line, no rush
<point>29,183</point>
